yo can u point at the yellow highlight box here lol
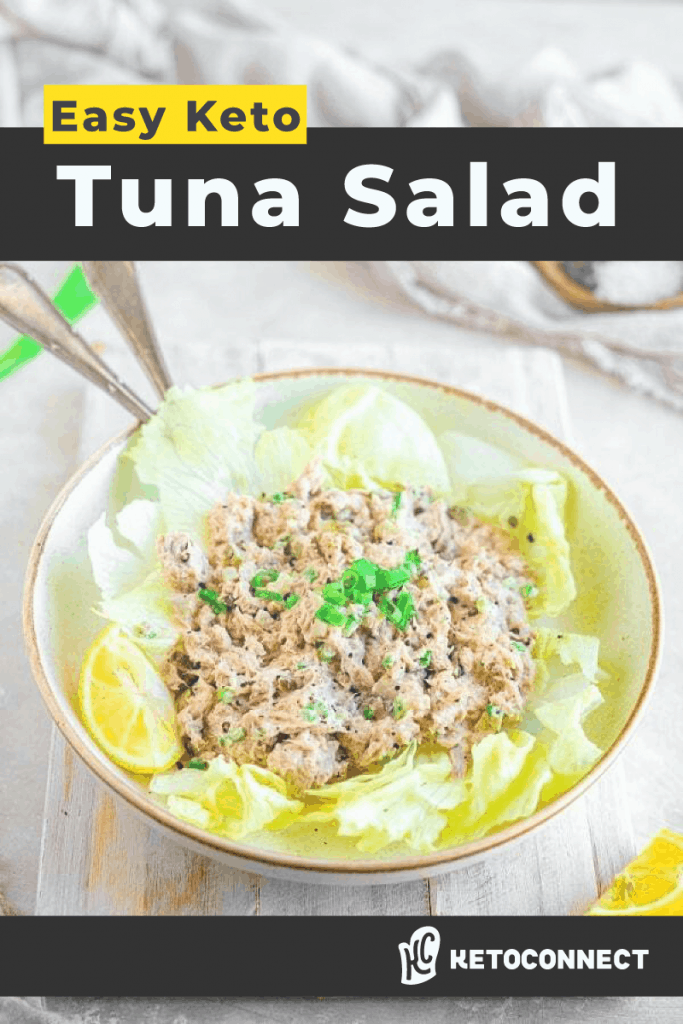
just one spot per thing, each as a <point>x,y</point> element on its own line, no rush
<point>174,114</point>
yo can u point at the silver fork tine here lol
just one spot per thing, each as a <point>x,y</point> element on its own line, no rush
<point>26,308</point>
<point>116,283</point>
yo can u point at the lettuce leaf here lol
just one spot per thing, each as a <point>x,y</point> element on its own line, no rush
<point>401,803</point>
<point>149,614</point>
<point>231,800</point>
<point>366,437</point>
<point>570,751</point>
<point>196,448</point>
<point>570,648</point>
<point>120,565</point>
<point>281,456</point>
<point>508,774</point>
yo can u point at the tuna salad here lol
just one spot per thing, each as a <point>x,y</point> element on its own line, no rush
<point>328,629</point>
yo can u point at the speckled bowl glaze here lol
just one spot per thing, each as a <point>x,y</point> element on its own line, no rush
<point>618,600</point>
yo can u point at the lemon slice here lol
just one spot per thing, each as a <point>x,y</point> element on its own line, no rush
<point>126,707</point>
<point>651,885</point>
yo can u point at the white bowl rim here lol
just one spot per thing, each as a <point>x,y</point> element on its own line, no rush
<point>219,845</point>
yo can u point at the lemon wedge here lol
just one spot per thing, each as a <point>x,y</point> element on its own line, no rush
<point>125,706</point>
<point>651,885</point>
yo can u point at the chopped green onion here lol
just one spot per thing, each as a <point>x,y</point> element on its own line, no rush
<point>388,661</point>
<point>519,646</point>
<point>528,590</point>
<point>236,734</point>
<point>279,497</point>
<point>396,504</point>
<point>368,713</point>
<point>301,664</point>
<point>389,610</point>
<point>226,695</point>
<point>426,659</point>
<point>334,593</point>
<point>389,579</point>
<point>352,624</point>
<point>406,606</point>
<point>331,615</point>
<point>197,763</point>
<point>264,576</point>
<point>268,595</point>
<point>412,560</point>
<point>292,600</point>
<point>309,714</point>
<point>311,575</point>
<point>399,708</point>
<point>212,599</point>
<point>325,655</point>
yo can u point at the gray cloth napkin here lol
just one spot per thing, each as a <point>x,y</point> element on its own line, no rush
<point>27,1010</point>
<point>80,41</point>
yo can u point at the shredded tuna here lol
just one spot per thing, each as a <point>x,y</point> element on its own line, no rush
<point>272,685</point>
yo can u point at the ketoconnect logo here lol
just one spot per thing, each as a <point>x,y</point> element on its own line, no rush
<point>162,114</point>
<point>418,957</point>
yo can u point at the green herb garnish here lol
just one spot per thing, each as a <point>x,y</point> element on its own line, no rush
<point>292,600</point>
<point>528,590</point>
<point>324,655</point>
<point>212,599</point>
<point>352,624</point>
<point>264,576</point>
<point>334,593</point>
<point>315,710</point>
<point>412,560</point>
<point>268,595</point>
<point>368,713</point>
<point>396,504</point>
<point>388,661</point>
<point>197,763</point>
<point>426,659</point>
<point>236,734</point>
<point>390,579</point>
<point>311,575</point>
<point>519,646</point>
<point>302,664</point>
<point>226,695</point>
<point>331,615</point>
<point>399,708</point>
<point>280,496</point>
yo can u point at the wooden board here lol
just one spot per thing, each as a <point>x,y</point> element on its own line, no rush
<point>98,857</point>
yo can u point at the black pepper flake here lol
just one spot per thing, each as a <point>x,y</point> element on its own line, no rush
<point>530,537</point>
<point>513,521</point>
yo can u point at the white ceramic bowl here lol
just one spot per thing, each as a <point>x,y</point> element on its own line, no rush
<point>618,600</point>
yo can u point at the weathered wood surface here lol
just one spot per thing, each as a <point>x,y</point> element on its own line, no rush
<point>98,857</point>
<point>387,1010</point>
